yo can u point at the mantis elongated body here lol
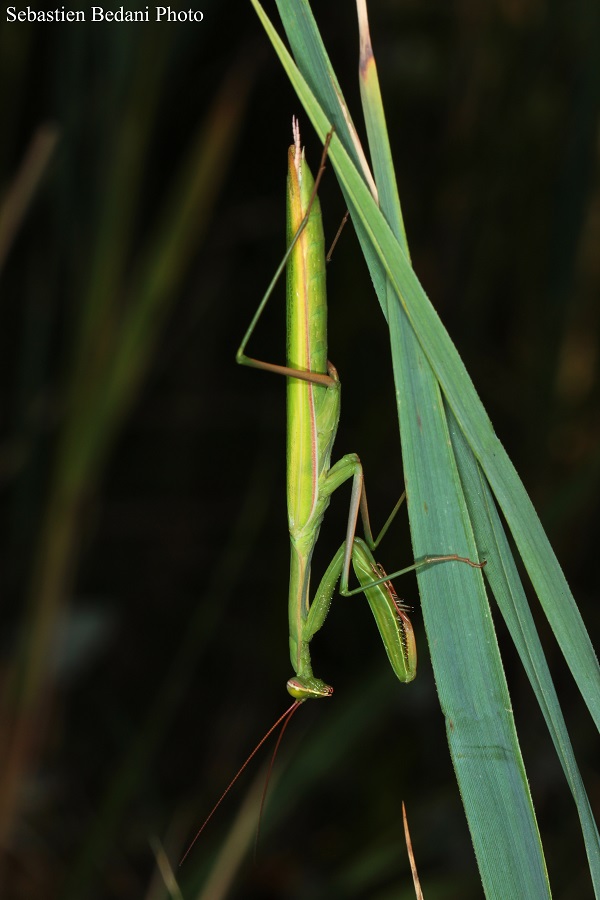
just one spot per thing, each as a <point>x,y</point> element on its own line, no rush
<point>313,412</point>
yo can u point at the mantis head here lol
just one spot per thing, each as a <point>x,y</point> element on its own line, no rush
<point>308,688</point>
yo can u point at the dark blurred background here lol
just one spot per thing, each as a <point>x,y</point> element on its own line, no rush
<point>144,551</point>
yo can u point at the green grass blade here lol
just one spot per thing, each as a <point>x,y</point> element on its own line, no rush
<point>507,588</point>
<point>501,817</point>
<point>469,676</point>
<point>379,145</point>
<point>307,45</point>
<point>484,516</point>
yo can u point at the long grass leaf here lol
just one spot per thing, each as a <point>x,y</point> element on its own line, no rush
<point>512,601</point>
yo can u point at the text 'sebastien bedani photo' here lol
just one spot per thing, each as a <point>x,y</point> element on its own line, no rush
<point>102,14</point>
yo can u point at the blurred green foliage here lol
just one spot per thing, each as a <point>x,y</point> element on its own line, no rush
<point>144,546</point>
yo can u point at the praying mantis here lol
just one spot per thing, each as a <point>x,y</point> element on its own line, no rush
<point>313,413</point>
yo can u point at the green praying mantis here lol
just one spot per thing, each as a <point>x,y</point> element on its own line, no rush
<point>313,413</point>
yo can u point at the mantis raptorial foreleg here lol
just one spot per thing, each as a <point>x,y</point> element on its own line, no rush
<point>313,411</point>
